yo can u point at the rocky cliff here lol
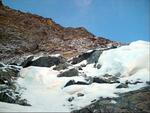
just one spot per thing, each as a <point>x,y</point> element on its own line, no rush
<point>26,33</point>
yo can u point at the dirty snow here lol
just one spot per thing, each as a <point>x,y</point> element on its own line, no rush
<point>46,92</point>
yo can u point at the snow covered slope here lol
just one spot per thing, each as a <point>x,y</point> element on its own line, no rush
<point>46,92</point>
<point>126,61</point>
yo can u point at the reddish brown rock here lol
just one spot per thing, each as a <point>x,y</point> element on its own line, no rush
<point>25,33</point>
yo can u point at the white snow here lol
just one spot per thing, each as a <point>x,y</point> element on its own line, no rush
<point>90,70</point>
<point>45,91</point>
<point>7,107</point>
<point>124,61</point>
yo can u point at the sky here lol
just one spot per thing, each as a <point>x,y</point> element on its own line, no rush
<point>118,20</point>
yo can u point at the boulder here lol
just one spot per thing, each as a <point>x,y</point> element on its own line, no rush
<point>93,58</point>
<point>99,80</point>
<point>27,61</point>
<point>111,78</point>
<point>81,83</point>
<point>61,66</point>
<point>130,82</point>
<point>122,85</point>
<point>73,82</point>
<point>69,73</point>
<point>45,61</point>
<point>10,96</point>
<point>81,57</point>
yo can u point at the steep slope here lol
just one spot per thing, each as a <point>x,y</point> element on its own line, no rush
<point>118,83</point>
<point>22,33</point>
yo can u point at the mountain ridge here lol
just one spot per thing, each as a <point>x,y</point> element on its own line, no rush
<point>26,33</point>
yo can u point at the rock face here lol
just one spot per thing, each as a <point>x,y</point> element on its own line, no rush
<point>27,62</point>
<point>122,85</point>
<point>22,33</point>
<point>109,80</point>
<point>131,102</point>
<point>91,57</point>
<point>9,95</point>
<point>45,61</point>
<point>81,57</point>
<point>69,73</point>
<point>7,75</point>
<point>94,56</point>
<point>8,88</point>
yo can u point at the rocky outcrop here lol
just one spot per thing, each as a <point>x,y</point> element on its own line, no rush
<point>73,82</point>
<point>94,56</point>
<point>91,57</point>
<point>89,80</point>
<point>27,62</point>
<point>122,85</point>
<point>69,73</point>
<point>62,66</point>
<point>9,91</point>
<point>109,79</point>
<point>22,33</point>
<point>44,61</point>
<point>8,75</point>
<point>131,102</point>
<point>7,94</point>
<point>81,57</point>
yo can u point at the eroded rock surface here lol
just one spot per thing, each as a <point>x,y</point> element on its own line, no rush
<point>131,102</point>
